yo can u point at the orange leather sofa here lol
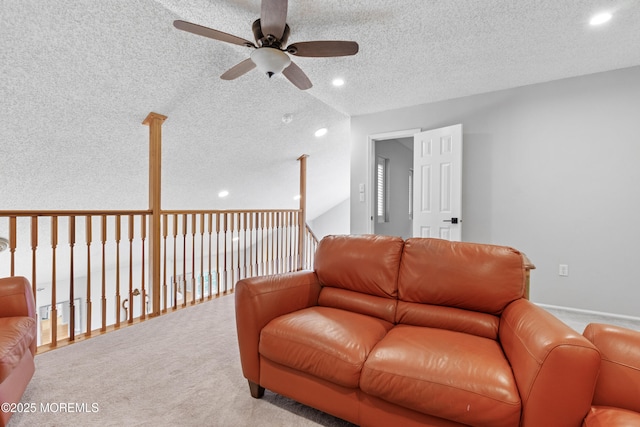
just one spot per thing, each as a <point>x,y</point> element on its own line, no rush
<point>422,332</point>
<point>17,342</point>
<point>616,402</point>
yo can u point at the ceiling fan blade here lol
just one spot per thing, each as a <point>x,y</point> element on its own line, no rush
<point>273,17</point>
<point>296,76</point>
<point>325,48</point>
<point>239,69</point>
<point>211,33</point>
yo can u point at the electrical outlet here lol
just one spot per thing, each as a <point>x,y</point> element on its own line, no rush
<point>563,270</point>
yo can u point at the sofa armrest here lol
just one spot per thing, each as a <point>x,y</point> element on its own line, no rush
<point>619,380</point>
<point>16,297</point>
<point>261,299</point>
<point>554,366</point>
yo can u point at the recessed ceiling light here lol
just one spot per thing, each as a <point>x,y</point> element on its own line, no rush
<point>338,82</point>
<point>223,193</point>
<point>600,18</point>
<point>321,132</point>
<point>297,197</point>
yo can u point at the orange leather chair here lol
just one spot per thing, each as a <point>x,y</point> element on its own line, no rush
<point>616,402</point>
<point>17,341</point>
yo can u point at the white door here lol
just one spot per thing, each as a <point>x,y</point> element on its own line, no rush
<point>437,183</point>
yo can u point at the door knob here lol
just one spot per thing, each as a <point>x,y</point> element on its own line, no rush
<point>452,220</point>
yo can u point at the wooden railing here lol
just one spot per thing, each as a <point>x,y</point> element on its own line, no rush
<point>145,262</point>
<point>89,269</point>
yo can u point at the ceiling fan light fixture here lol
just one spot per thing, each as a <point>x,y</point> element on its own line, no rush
<point>270,60</point>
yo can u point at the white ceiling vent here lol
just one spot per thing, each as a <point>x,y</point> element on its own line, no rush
<point>4,244</point>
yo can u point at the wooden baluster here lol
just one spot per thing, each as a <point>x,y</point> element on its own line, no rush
<point>103,298</point>
<point>88,239</point>
<point>193,259</point>
<point>285,238</point>
<point>285,242</point>
<point>218,276</point>
<point>267,254</point>
<point>271,225</point>
<point>184,260</point>
<point>259,242</point>
<point>255,218</point>
<point>209,231</point>
<point>251,225</point>
<point>238,253</point>
<point>118,231</point>
<point>175,261</point>
<point>12,243</point>
<point>131,236</point>
<point>165,229</point>
<point>294,235</point>
<point>285,246</point>
<point>287,235</point>
<point>201,257</point>
<point>244,252</point>
<point>72,305</point>
<point>226,229</point>
<point>236,269</point>
<point>232,265</point>
<point>143,290</point>
<point>278,249</point>
<point>292,238</point>
<point>263,244</point>
<point>274,242</point>
<point>54,304</point>
<point>34,249</point>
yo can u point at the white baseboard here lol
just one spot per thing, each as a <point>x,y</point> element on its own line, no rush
<point>578,318</point>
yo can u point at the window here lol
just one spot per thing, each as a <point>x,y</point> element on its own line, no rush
<point>382,189</point>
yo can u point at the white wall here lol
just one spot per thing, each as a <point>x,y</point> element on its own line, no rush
<point>333,221</point>
<point>550,169</point>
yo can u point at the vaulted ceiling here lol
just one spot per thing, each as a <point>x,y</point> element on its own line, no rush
<point>79,76</point>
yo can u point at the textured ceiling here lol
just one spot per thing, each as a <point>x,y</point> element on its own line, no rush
<point>78,78</point>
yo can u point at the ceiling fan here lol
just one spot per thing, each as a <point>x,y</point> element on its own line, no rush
<point>269,55</point>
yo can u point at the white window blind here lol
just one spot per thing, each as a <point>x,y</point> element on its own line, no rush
<point>382,202</point>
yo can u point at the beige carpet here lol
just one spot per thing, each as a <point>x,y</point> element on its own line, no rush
<point>181,369</point>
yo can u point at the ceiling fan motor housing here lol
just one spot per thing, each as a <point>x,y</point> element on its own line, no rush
<point>269,40</point>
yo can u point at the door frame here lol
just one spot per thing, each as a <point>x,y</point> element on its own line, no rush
<point>371,159</point>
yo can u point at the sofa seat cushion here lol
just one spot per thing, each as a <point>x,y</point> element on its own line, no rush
<point>607,416</point>
<point>326,342</point>
<point>16,335</point>
<point>447,374</point>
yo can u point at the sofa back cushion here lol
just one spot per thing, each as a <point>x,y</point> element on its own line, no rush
<point>359,273</point>
<point>450,318</point>
<point>469,276</point>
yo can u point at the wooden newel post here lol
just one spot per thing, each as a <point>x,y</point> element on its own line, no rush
<point>302,218</point>
<point>154,121</point>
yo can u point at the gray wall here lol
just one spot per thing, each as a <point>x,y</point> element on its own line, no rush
<point>333,221</point>
<point>550,169</point>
